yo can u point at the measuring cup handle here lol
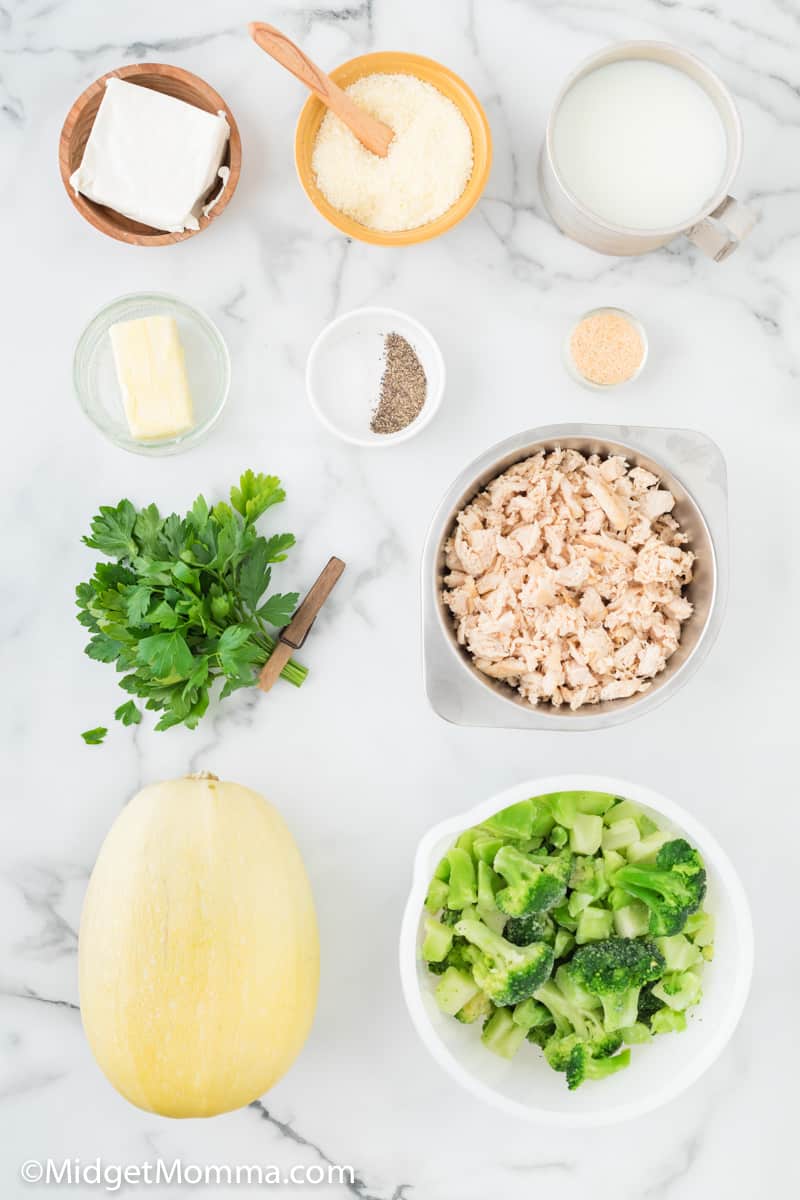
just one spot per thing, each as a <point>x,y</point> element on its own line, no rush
<point>718,234</point>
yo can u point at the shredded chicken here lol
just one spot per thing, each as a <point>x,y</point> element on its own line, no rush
<point>566,578</point>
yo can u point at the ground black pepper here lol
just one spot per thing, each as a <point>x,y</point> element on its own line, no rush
<point>403,387</point>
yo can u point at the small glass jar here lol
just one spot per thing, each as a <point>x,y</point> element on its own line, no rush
<point>573,368</point>
<point>207,366</point>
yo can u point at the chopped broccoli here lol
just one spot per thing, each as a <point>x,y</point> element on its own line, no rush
<point>573,921</point>
<point>513,822</point>
<point>594,925</point>
<point>501,1034</point>
<point>672,889</point>
<point>700,928</point>
<point>648,1005</point>
<point>666,1020</point>
<point>533,883</point>
<point>632,920</point>
<point>588,875</point>
<point>530,1014</point>
<point>621,834</point>
<point>586,833</point>
<point>485,847</point>
<point>646,851</point>
<point>564,943</point>
<point>679,990</point>
<point>635,1034</point>
<point>438,940</point>
<point>507,973</point>
<point>476,1009</point>
<point>463,889</point>
<point>442,869</point>
<point>533,927</point>
<point>436,897</point>
<point>615,970</point>
<point>489,883</point>
<point>559,836</point>
<point>568,1016</point>
<point>454,989</point>
<point>540,1035</point>
<point>575,1059</point>
<point>679,953</point>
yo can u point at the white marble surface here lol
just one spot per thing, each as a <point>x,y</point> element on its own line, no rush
<point>356,760</point>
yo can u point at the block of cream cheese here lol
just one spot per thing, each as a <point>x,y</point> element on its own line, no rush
<point>152,157</point>
<point>151,371</point>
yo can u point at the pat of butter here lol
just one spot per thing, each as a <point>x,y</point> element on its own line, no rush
<point>152,157</point>
<point>151,371</point>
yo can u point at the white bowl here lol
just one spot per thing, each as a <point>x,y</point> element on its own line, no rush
<point>344,369</point>
<point>526,1087</point>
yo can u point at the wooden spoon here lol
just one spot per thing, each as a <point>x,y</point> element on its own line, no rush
<point>370,132</point>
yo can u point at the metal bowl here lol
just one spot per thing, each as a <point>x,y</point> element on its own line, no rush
<point>703,591</point>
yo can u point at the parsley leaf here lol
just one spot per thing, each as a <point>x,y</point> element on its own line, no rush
<point>279,610</point>
<point>166,654</point>
<point>183,602</point>
<point>93,737</point>
<point>255,494</point>
<point>128,713</point>
<point>112,530</point>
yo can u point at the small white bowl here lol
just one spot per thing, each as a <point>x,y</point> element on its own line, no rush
<point>344,369</point>
<point>660,1070</point>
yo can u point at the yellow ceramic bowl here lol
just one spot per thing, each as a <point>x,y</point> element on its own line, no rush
<point>390,62</point>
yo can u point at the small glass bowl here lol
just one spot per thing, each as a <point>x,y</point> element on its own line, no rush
<point>207,366</point>
<point>569,361</point>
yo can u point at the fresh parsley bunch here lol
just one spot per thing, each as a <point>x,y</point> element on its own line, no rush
<point>183,604</point>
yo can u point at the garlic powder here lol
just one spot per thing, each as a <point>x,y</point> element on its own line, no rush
<point>428,165</point>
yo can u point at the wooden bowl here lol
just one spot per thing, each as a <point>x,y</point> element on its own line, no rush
<point>449,84</point>
<point>172,81</point>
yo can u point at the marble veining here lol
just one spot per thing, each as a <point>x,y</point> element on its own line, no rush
<point>356,760</point>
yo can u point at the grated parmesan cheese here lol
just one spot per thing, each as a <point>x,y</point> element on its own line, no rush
<point>428,165</point>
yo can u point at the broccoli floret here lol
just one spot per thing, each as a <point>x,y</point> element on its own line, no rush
<point>533,927</point>
<point>535,883</point>
<point>648,1004</point>
<point>530,1014</point>
<point>577,1061</point>
<point>605,1046</point>
<point>540,1035</point>
<point>615,970</point>
<point>507,973</point>
<point>450,916</point>
<point>569,1016</point>
<point>583,875</point>
<point>462,955</point>
<point>673,889</point>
